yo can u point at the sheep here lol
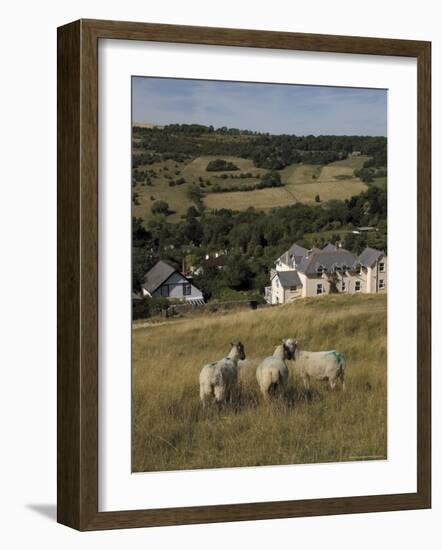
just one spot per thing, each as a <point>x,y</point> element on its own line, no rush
<point>272,374</point>
<point>320,365</point>
<point>219,379</point>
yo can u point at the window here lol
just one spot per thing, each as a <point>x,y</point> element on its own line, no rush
<point>358,269</point>
<point>319,288</point>
<point>381,267</point>
<point>165,291</point>
<point>343,286</point>
<point>187,289</point>
<point>381,284</point>
<point>358,286</point>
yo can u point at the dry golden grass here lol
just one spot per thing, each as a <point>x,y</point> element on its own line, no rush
<point>300,173</point>
<point>171,431</point>
<point>354,163</point>
<point>264,199</point>
<point>197,167</point>
<point>326,183</point>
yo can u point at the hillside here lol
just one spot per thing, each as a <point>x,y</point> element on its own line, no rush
<point>172,432</point>
<point>170,164</point>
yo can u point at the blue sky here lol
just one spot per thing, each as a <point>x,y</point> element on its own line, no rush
<point>274,108</point>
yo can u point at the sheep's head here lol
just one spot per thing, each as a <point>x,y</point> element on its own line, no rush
<point>290,346</point>
<point>239,349</point>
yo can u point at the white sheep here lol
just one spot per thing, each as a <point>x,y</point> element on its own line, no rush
<point>272,374</point>
<point>219,379</point>
<point>320,365</point>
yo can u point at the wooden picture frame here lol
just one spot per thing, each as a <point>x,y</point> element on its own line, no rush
<point>78,274</point>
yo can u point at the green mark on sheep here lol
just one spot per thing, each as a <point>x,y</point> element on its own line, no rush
<point>338,356</point>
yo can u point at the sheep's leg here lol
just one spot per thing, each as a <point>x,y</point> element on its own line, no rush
<point>280,390</point>
<point>266,394</point>
<point>332,382</point>
<point>204,399</point>
<point>220,394</point>
<point>341,378</point>
<point>204,394</point>
<point>229,396</point>
<point>306,382</point>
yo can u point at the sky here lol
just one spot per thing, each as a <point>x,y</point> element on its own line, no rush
<point>273,108</point>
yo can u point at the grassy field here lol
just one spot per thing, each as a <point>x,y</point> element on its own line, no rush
<point>263,199</point>
<point>175,196</point>
<point>354,163</point>
<point>197,168</point>
<point>300,174</point>
<point>172,432</point>
<point>302,182</point>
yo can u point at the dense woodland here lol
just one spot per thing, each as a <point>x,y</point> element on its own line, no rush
<point>267,151</point>
<point>254,239</point>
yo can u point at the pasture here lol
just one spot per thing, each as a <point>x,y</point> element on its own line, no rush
<point>264,199</point>
<point>302,182</point>
<point>171,431</point>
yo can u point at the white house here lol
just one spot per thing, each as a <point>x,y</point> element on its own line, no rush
<point>166,281</point>
<point>301,273</point>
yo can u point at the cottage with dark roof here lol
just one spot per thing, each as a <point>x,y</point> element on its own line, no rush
<point>166,281</point>
<point>301,273</point>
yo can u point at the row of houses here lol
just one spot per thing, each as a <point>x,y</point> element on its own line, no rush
<point>298,273</point>
<point>301,273</point>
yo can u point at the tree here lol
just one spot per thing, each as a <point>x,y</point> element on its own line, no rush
<point>271,179</point>
<point>141,263</point>
<point>219,165</point>
<point>139,233</point>
<point>192,212</point>
<point>237,273</point>
<point>160,207</point>
<point>196,195</point>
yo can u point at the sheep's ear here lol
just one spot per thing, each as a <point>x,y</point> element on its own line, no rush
<point>232,344</point>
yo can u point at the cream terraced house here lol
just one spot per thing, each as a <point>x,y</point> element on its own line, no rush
<point>301,273</point>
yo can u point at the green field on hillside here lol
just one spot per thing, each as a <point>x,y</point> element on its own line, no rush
<point>302,183</point>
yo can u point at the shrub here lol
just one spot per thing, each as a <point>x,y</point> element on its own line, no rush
<point>220,165</point>
<point>160,207</point>
<point>271,179</point>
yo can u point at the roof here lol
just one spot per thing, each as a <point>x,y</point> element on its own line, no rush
<point>159,273</point>
<point>370,256</point>
<point>328,260</point>
<point>319,261</point>
<point>296,252</point>
<point>329,247</point>
<point>289,278</point>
